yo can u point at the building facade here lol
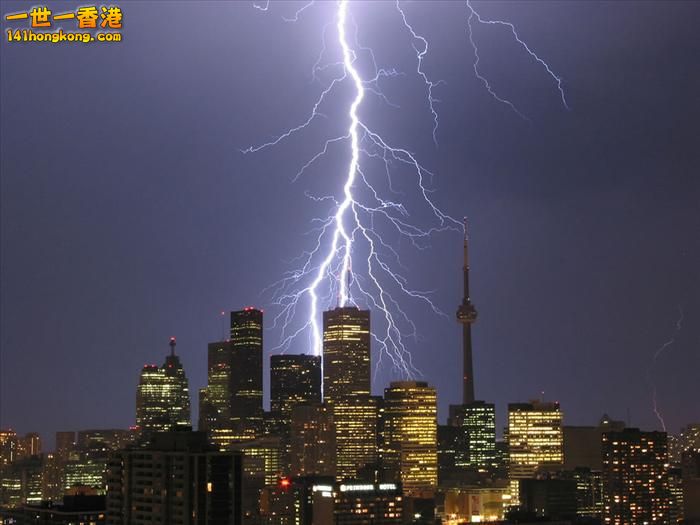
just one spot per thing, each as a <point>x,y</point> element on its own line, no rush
<point>162,396</point>
<point>409,436</point>
<point>177,478</point>
<point>294,380</point>
<point>247,368</point>
<point>312,441</point>
<point>535,439</point>
<point>355,420</point>
<point>346,353</point>
<point>230,406</point>
<point>347,386</point>
<point>635,477</point>
<point>475,435</point>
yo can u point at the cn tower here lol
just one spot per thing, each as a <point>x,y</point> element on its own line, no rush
<point>466,315</point>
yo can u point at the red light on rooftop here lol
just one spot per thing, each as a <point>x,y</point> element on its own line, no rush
<point>284,482</point>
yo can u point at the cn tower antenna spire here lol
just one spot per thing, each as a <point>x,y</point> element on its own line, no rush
<point>465,266</point>
<point>466,315</point>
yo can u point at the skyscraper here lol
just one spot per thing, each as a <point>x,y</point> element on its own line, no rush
<point>230,407</point>
<point>355,419</point>
<point>247,370</point>
<point>216,398</point>
<point>635,479</point>
<point>176,392</point>
<point>9,445</point>
<point>346,353</point>
<point>294,380</point>
<point>409,435</point>
<point>162,396</point>
<point>535,438</point>
<point>347,385</point>
<point>475,435</point>
<point>466,315</point>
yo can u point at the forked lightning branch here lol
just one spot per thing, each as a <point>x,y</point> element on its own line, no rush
<point>351,260</point>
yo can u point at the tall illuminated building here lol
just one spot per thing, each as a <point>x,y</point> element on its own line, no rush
<point>346,353</point>
<point>176,391</point>
<point>162,396</point>
<point>466,316</point>
<point>230,406</point>
<point>247,370</point>
<point>216,398</point>
<point>635,477</point>
<point>355,420</point>
<point>9,445</point>
<point>409,435</point>
<point>535,438</point>
<point>475,439</point>
<point>294,380</point>
<point>346,388</point>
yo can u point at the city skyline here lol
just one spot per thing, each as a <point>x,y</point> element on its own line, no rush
<point>573,264</point>
<point>246,331</point>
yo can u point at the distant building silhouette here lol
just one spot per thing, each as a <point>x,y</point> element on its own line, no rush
<point>312,441</point>
<point>68,510</point>
<point>583,445</point>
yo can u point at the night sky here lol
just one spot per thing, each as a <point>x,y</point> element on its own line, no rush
<point>129,213</point>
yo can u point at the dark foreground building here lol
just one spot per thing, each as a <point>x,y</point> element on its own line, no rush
<point>318,500</point>
<point>177,478</point>
<point>75,509</point>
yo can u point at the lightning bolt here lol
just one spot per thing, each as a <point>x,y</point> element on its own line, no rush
<point>475,16</point>
<point>352,260</point>
<point>420,55</point>
<point>657,354</point>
